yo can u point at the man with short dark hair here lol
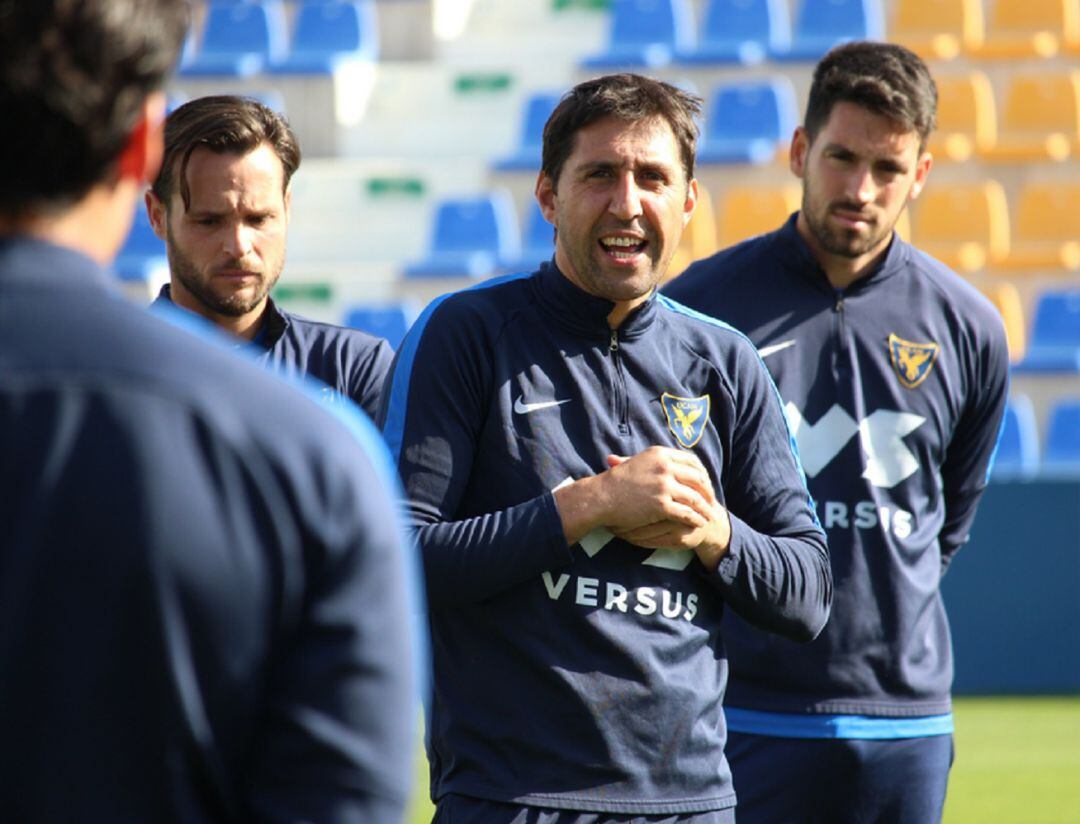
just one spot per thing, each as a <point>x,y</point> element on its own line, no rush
<point>221,204</point>
<point>596,475</point>
<point>894,372</point>
<point>203,607</point>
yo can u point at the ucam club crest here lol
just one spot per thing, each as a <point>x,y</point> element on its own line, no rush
<point>686,417</point>
<point>912,362</point>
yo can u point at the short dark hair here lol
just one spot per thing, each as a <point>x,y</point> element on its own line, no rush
<point>74,75</point>
<point>628,97</point>
<point>884,78</point>
<point>222,124</point>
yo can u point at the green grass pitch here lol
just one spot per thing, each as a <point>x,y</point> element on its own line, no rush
<point>1017,762</point>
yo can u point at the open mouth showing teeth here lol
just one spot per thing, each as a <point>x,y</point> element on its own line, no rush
<point>623,247</point>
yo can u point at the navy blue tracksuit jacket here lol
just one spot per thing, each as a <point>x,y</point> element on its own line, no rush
<point>352,364</point>
<point>588,677</point>
<point>895,388</point>
<point>202,589</point>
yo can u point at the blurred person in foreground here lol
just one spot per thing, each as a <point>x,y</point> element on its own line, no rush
<point>894,373</point>
<point>221,204</point>
<point>596,476</point>
<point>203,603</point>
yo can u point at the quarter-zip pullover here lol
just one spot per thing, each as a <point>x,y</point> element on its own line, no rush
<point>589,677</point>
<point>895,388</point>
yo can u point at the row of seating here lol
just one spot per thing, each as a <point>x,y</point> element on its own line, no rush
<point>1022,454</point>
<point>253,37</point>
<point>659,32</point>
<point>748,120</point>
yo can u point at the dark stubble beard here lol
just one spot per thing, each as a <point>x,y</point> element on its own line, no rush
<point>234,305</point>
<point>839,242</point>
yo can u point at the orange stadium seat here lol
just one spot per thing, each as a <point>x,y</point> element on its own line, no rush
<point>1030,28</point>
<point>938,29</point>
<point>1046,229</point>
<point>1040,119</point>
<point>966,120</point>
<point>699,238</point>
<point>965,226</point>
<point>745,211</point>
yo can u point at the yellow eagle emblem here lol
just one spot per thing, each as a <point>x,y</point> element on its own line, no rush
<point>912,362</point>
<point>686,417</point>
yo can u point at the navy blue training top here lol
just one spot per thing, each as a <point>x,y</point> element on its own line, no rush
<point>588,677</point>
<point>895,388</point>
<point>352,364</point>
<point>202,601</point>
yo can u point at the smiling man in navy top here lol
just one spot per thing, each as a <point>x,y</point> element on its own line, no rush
<point>203,603</point>
<point>894,374</point>
<point>221,204</point>
<point>597,476</point>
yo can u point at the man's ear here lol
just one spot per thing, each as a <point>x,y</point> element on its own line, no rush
<point>800,146</point>
<point>545,196</point>
<point>155,209</point>
<point>690,204</point>
<point>922,172</point>
<point>140,158</point>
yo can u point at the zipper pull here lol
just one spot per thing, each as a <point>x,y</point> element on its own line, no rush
<point>839,305</point>
<point>614,340</point>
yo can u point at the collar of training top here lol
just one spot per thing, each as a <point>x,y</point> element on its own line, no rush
<point>579,311</point>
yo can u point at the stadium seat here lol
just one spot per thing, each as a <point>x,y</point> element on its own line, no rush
<point>1040,119</point>
<point>537,241</point>
<point>1046,233</point>
<point>699,238</point>
<point>1029,28</point>
<point>329,32</point>
<point>822,24</point>
<point>746,211</point>
<point>142,258</point>
<point>239,39</point>
<point>966,118</point>
<point>1055,333</point>
<point>526,157</point>
<point>1017,453</point>
<point>748,121</point>
<point>471,237</point>
<point>645,33</point>
<point>937,29</point>
<point>964,225</point>
<point>1006,299</point>
<point>1062,451</point>
<point>390,321</point>
<point>740,32</point>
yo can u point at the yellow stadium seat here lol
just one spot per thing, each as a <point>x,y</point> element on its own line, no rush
<point>1040,119</point>
<point>965,226</point>
<point>1029,28</point>
<point>966,120</point>
<point>1006,298</point>
<point>699,238</point>
<point>1046,229</point>
<point>745,211</point>
<point>938,29</point>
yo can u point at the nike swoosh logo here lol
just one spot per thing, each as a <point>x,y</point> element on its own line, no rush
<point>772,349</point>
<point>525,408</point>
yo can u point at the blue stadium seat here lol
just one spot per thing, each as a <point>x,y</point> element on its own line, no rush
<point>1018,450</point>
<point>645,33</point>
<point>526,158</point>
<point>390,321</point>
<point>822,24</point>
<point>538,242</point>
<point>239,39</point>
<point>1062,452</point>
<point>741,31</point>
<point>142,257</point>
<point>748,121</point>
<point>471,237</point>
<point>328,32</point>
<point>1055,334</point>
